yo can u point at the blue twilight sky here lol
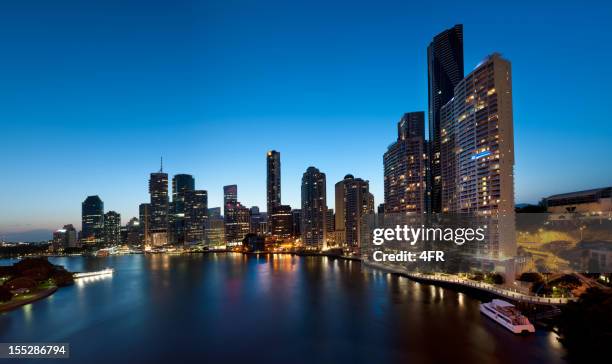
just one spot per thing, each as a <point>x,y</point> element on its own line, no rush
<point>93,92</point>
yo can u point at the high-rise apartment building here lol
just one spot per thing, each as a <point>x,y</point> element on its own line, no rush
<point>92,219</point>
<point>196,216</point>
<point>112,228</point>
<point>358,202</point>
<point>477,153</point>
<point>405,167</point>
<point>314,208</point>
<point>445,71</point>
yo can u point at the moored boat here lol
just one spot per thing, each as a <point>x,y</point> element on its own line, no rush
<point>507,315</point>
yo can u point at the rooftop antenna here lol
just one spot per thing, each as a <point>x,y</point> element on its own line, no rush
<point>161,164</point>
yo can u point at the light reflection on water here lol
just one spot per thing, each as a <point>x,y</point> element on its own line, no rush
<point>273,308</point>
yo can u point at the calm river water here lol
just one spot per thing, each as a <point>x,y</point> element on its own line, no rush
<point>225,308</point>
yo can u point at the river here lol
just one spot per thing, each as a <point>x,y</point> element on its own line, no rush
<point>224,308</point>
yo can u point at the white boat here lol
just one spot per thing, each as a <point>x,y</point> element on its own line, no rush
<point>507,315</point>
<point>106,271</point>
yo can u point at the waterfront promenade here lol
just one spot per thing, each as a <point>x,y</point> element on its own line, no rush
<point>456,280</point>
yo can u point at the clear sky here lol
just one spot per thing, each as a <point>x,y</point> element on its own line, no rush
<point>94,92</point>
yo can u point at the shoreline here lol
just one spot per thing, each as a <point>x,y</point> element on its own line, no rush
<point>10,305</point>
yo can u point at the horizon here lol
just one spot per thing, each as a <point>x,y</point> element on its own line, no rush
<point>91,112</point>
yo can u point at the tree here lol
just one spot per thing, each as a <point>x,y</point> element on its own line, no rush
<point>585,326</point>
<point>5,294</point>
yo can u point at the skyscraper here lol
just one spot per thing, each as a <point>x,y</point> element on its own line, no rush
<point>181,183</point>
<point>314,208</point>
<point>359,202</point>
<point>445,71</point>
<point>273,180</point>
<point>215,227</point>
<point>405,167</point>
<point>477,152</point>
<point>144,212</point>
<point>112,228</point>
<point>158,221</point>
<point>255,221</point>
<point>196,215</point>
<point>340,204</point>
<point>92,219</point>
<point>236,217</point>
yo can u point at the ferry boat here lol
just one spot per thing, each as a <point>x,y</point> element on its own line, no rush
<point>105,271</point>
<point>507,315</point>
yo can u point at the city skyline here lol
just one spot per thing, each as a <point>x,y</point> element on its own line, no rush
<point>34,166</point>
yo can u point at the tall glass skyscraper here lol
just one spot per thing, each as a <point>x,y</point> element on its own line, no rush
<point>273,180</point>
<point>92,219</point>
<point>314,208</point>
<point>445,71</point>
<point>181,184</point>
<point>158,219</point>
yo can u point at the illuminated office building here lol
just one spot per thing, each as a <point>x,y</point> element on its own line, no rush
<point>158,218</point>
<point>65,237</point>
<point>237,218</point>
<point>112,228</point>
<point>281,222</point>
<point>196,216</point>
<point>92,219</point>
<point>181,184</point>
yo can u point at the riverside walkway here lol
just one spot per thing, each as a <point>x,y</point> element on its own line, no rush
<point>491,288</point>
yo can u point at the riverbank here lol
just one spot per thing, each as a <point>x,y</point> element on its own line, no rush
<point>26,299</point>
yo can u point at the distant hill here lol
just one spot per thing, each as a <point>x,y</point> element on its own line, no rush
<point>27,236</point>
